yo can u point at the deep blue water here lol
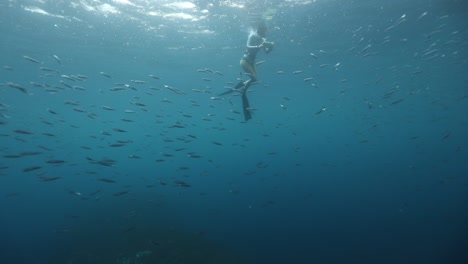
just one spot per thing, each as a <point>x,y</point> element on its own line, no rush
<point>364,163</point>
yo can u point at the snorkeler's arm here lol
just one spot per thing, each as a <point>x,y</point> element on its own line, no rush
<point>252,39</point>
<point>267,46</point>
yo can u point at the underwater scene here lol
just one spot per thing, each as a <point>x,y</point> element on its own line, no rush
<point>233,131</point>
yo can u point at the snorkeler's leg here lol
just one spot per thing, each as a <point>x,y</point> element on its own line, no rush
<point>249,70</point>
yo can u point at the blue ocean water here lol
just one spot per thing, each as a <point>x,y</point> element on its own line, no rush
<point>116,147</point>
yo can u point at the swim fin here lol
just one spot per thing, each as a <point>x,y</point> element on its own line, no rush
<point>246,106</point>
<point>236,88</point>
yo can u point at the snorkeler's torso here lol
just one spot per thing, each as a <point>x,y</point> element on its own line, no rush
<point>250,54</point>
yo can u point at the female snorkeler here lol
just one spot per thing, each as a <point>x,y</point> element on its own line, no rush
<point>255,43</point>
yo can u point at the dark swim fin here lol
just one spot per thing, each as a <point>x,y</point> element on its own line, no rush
<point>227,92</point>
<point>236,88</point>
<point>246,106</point>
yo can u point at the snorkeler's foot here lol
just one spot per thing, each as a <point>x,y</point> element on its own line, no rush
<point>236,88</point>
<point>240,84</point>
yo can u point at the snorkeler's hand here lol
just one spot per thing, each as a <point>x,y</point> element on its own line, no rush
<point>268,46</point>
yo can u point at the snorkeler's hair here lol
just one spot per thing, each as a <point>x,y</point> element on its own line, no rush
<point>261,26</point>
